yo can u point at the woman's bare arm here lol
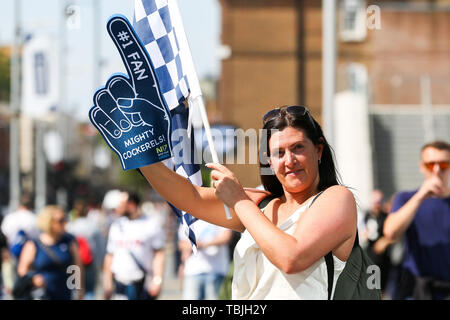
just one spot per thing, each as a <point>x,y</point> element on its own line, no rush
<point>328,225</point>
<point>201,202</point>
<point>322,228</point>
<point>26,258</point>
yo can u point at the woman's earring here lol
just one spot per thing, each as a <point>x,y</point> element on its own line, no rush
<point>319,161</point>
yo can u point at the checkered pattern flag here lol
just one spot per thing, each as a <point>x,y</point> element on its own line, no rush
<point>156,25</point>
<point>153,24</point>
<point>187,169</point>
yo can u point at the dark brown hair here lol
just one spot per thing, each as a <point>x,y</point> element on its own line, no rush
<point>437,144</point>
<point>328,176</point>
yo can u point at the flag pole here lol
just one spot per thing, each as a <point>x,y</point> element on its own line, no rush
<point>14,142</point>
<point>198,102</point>
<point>195,98</point>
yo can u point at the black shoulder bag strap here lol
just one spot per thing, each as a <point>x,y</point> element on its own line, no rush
<point>330,266</point>
<point>138,264</point>
<point>329,261</point>
<point>264,202</point>
<point>51,254</point>
<point>330,270</point>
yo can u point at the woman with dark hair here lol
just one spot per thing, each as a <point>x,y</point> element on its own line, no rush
<point>281,252</point>
<point>298,117</point>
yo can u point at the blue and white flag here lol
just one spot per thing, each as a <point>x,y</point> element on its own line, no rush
<point>158,25</point>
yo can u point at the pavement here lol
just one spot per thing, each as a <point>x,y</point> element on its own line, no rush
<point>172,286</point>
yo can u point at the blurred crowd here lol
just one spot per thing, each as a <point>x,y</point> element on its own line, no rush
<point>38,249</point>
<point>113,249</point>
<point>117,248</point>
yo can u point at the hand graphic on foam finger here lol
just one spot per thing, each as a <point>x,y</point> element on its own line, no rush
<point>129,111</point>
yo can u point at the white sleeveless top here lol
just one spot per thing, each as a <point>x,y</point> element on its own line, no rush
<point>256,278</point>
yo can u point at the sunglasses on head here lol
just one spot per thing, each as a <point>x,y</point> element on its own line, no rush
<point>443,165</point>
<point>293,110</point>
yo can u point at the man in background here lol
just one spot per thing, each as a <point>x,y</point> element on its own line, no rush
<point>90,243</point>
<point>20,225</point>
<point>377,245</point>
<point>422,216</point>
<point>204,272</point>
<point>134,262</point>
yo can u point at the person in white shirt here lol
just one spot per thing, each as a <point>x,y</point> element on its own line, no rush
<point>20,225</point>
<point>204,272</point>
<point>134,262</point>
<point>82,227</point>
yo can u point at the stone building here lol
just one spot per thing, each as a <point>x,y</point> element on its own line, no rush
<point>401,69</point>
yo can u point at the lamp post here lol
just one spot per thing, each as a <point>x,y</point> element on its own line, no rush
<point>14,156</point>
<point>328,65</point>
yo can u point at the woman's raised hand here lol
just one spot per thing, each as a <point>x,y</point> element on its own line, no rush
<point>226,185</point>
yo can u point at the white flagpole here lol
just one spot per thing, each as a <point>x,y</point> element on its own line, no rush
<point>195,98</point>
<point>198,101</point>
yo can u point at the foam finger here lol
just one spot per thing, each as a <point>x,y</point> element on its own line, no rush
<point>104,123</point>
<point>120,88</point>
<point>133,53</point>
<point>107,103</point>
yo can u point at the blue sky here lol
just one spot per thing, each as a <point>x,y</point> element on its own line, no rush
<point>201,20</point>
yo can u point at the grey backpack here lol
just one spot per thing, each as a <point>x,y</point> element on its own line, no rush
<point>354,283</point>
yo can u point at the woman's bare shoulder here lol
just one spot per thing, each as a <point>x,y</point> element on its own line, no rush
<point>29,245</point>
<point>338,199</point>
<point>29,249</point>
<point>341,192</point>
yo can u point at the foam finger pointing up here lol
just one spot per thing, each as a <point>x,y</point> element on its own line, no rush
<point>104,123</point>
<point>106,102</point>
<point>133,54</point>
<point>120,88</point>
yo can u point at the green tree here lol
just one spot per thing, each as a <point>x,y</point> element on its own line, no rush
<point>5,82</point>
<point>132,180</point>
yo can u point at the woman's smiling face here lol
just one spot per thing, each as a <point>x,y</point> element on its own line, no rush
<point>294,159</point>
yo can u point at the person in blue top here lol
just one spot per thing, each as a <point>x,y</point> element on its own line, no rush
<point>422,217</point>
<point>53,260</point>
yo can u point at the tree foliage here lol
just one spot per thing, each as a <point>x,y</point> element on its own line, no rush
<point>5,82</point>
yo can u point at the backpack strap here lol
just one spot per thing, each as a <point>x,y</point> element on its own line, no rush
<point>264,202</point>
<point>136,261</point>
<point>356,243</point>
<point>330,266</point>
<point>49,252</point>
<point>328,260</point>
<point>330,270</point>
